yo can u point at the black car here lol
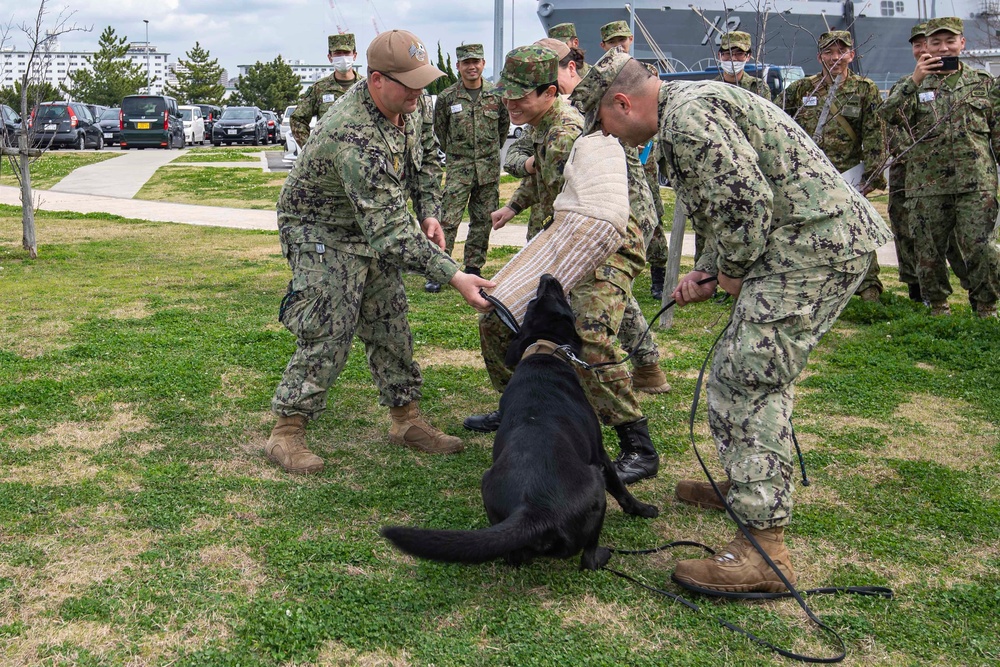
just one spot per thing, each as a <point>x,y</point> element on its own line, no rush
<point>110,121</point>
<point>273,127</point>
<point>210,113</point>
<point>241,125</point>
<point>11,125</point>
<point>55,124</point>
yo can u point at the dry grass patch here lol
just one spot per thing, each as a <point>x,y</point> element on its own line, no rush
<point>160,648</point>
<point>250,575</point>
<point>438,356</point>
<point>98,638</point>
<point>132,311</point>
<point>89,436</point>
<point>336,654</point>
<point>47,335</point>
<point>949,437</point>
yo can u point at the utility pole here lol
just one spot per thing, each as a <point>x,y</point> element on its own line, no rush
<point>497,38</point>
<point>148,89</point>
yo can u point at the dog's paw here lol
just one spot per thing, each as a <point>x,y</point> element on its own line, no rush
<point>645,511</point>
<point>595,559</point>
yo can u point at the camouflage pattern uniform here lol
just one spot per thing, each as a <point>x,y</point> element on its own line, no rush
<point>855,106</point>
<point>951,175</point>
<point>779,216</point>
<point>563,31</point>
<point>472,130</point>
<point>598,302</point>
<point>320,96</point>
<point>742,41</point>
<point>656,249</point>
<point>753,84</point>
<point>346,234</point>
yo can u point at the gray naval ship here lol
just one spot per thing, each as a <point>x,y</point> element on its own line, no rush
<point>679,36</point>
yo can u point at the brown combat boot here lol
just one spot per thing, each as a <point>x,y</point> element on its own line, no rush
<point>650,379</point>
<point>701,494</point>
<point>287,447</point>
<point>409,428</point>
<point>739,569</point>
<point>939,308</point>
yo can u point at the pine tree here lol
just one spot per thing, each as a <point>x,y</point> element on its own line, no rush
<point>449,77</point>
<point>112,75</point>
<point>272,85</point>
<point>42,91</point>
<point>198,79</point>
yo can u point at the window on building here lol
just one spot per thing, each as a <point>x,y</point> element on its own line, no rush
<point>888,8</point>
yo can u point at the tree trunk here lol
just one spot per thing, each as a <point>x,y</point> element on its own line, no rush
<point>28,240</point>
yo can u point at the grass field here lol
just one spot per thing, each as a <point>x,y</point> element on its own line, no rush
<point>140,523</point>
<point>51,167</point>
<point>232,188</point>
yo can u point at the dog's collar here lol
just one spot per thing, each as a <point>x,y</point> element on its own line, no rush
<point>541,346</point>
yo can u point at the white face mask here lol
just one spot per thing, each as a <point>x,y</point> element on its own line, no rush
<point>343,64</point>
<point>732,66</point>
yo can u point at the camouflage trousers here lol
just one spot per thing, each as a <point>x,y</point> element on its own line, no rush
<point>906,254</point>
<point>656,249</point>
<point>777,321</point>
<point>968,221</point>
<point>333,296</point>
<point>871,278</point>
<point>643,350</point>
<point>599,306</point>
<point>481,201</point>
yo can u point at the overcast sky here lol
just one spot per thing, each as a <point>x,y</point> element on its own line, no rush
<point>241,32</point>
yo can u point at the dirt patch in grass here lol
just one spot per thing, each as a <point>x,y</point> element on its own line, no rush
<point>947,436</point>
<point>90,436</point>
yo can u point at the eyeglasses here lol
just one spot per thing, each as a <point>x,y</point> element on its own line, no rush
<point>395,80</point>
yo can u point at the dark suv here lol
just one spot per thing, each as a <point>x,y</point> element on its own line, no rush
<point>70,124</point>
<point>152,121</point>
<point>241,125</point>
<point>11,125</point>
<point>210,113</point>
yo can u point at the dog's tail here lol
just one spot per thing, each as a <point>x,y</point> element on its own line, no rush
<point>465,546</point>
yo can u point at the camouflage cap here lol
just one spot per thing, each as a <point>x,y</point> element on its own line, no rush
<point>402,55</point>
<point>588,93</point>
<point>919,30</point>
<point>563,31</point>
<point>526,68</point>
<point>736,39</point>
<point>615,29</point>
<point>828,38</point>
<point>470,52</point>
<point>557,45</point>
<point>342,42</point>
<point>952,24</point>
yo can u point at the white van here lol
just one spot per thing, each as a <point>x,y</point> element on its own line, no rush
<point>194,124</point>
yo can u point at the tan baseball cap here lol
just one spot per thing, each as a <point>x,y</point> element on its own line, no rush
<point>402,55</point>
<point>557,45</point>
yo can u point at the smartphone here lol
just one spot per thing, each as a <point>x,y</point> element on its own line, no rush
<point>949,63</point>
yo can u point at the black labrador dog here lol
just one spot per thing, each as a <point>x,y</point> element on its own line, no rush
<point>545,492</point>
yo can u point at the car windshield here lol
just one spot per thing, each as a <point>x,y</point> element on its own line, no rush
<point>237,113</point>
<point>52,112</point>
<point>288,112</point>
<point>144,106</point>
<point>188,114</point>
<point>109,114</point>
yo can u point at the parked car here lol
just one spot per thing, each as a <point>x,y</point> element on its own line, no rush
<point>515,131</point>
<point>241,125</point>
<point>151,121</point>
<point>194,124</point>
<point>273,127</point>
<point>11,125</point>
<point>111,125</point>
<point>55,124</point>
<point>210,113</point>
<point>96,109</point>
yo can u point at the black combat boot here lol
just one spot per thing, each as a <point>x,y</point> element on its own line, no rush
<point>474,270</point>
<point>487,423</point>
<point>914,292</point>
<point>656,276</point>
<point>638,459</point>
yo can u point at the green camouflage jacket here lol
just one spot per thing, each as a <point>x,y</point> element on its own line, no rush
<point>856,103</point>
<point>953,122</point>
<point>349,186</point>
<point>428,205</point>
<point>472,132</point>
<point>314,102</point>
<point>751,83</point>
<point>756,187</point>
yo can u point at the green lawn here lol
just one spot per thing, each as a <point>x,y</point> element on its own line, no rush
<point>140,523</point>
<point>227,154</point>
<point>51,167</point>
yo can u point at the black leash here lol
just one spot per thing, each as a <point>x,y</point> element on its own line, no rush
<point>792,592</point>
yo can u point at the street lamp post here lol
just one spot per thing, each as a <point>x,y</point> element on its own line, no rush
<point>148,89</point>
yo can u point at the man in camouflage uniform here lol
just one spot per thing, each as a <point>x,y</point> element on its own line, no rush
<point>951,172</point>
<point>321,95</point>
<point>847,127</point>
<point>735,49</point>
<point>647,376</point>
<point>616,34</point>
<point>471,123</point>
<point>900,143</point>
<point>790,239</point>
<point>565,32</point>
<point>527,84</point>
<point>347,235</point>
